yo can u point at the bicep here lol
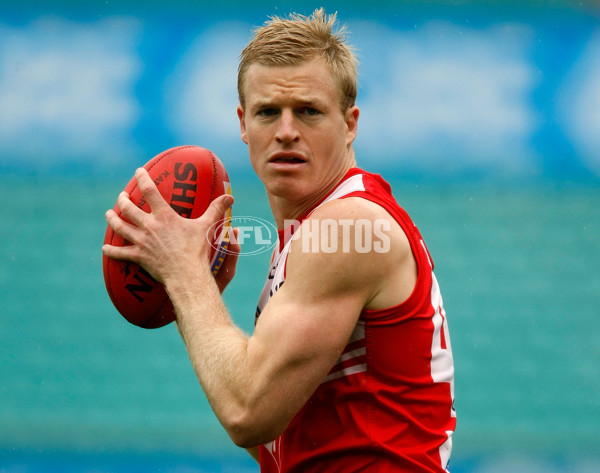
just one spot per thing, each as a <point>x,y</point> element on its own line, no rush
<point>299,336</point>
<point>304,328</point>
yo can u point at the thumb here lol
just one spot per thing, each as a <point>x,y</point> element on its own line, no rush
<point>218,207</point>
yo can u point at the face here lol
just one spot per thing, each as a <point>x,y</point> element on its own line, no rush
<point>299,140</point>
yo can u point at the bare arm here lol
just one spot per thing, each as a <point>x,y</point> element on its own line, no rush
<point>257,384</point>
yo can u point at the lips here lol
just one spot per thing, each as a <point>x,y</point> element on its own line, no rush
<point>287,158</point>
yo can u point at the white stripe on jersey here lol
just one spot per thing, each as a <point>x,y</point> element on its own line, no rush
<point>342,367</point>
<point>446,449</point>
<point>352,184</point>
<point>442,364</point>
<point>346,372</point>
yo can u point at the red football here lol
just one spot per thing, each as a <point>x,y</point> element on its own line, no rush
<point>189,178</point>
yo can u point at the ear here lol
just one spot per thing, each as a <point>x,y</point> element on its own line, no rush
<point>351,120</point>
<point>240,114</point>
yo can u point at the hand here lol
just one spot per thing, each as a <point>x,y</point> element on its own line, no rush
<point>164,243</point>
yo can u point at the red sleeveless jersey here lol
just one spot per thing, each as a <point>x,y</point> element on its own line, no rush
<point>387,404</point>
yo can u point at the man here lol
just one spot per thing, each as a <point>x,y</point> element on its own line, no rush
<point>349,367</point>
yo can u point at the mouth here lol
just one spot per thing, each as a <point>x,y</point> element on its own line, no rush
<point>287,158</point>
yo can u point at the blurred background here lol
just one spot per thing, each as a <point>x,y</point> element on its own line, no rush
<point>483,115</point>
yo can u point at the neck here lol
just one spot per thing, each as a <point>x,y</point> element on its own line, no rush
<point>290,208</point>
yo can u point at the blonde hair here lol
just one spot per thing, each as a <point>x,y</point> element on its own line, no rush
<point>298,39</point>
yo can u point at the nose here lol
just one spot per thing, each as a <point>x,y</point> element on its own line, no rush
<point>287,129</point>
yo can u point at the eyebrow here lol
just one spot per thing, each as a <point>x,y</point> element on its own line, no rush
<point>298,102</point>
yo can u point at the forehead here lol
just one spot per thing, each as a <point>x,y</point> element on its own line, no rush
<point>306,82</point>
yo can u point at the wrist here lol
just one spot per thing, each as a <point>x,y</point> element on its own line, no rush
<point>186,286</point>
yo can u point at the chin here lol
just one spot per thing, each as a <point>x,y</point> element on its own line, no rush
<point>285,191</point>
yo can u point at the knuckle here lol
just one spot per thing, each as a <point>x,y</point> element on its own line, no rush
<point>146,186</point>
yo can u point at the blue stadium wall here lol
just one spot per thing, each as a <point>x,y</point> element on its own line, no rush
<point>483,114</point>
<point>447,89</point>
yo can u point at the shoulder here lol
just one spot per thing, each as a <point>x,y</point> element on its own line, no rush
<point>354,245</point>
<point>362,222</point>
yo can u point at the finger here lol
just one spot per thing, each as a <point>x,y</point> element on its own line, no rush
<point>126,253</point>
<point>150,191</point>
<point>217,208</point>
<point>129,210</point>
<point>126,230</point>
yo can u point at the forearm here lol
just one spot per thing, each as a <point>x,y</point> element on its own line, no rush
<point>255,385</point>
<point>233,380</point>
<point>216,346</point>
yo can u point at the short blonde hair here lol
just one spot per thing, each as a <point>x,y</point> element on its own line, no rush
<point>298,39</point>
